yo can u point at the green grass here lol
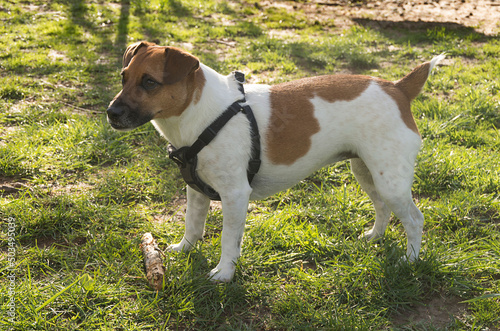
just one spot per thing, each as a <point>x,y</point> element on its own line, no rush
<point>81,194</point>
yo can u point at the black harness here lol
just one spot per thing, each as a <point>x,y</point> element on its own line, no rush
<point>187,157</point>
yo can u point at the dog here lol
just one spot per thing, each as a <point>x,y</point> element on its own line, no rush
<point>303,126</point>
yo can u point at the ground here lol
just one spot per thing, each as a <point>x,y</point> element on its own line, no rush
<point>81,192</point>
<point>438,312</point>
<point>481,15</point>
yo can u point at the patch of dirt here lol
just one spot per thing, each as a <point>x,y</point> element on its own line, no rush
<point>11,188</point>
<point>439,312</point>
<point>9,185</point>
<point>215,205</point>
<point>176,211</point>
<point>45,242</point>
<point>56,55</point>
<point>480,15</point>
<point>78,187</point>
<point>48,242</point>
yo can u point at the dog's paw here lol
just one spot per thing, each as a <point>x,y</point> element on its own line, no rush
<point>412,258</point>
<point>221,275</point>
<point>175,248</point>
<point>371,235</point>
<point>183,246</point>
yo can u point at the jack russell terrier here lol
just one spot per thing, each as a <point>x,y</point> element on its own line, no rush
<point>238,142</point>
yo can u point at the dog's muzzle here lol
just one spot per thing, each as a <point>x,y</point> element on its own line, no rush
<point>115,112</point>
<point>117,117</point>
<point>121,117</point>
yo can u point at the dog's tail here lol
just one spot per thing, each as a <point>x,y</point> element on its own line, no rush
<point>412,84</point>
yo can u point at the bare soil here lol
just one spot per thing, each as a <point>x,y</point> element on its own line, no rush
<point>483,16</point>
<point>438,312</point>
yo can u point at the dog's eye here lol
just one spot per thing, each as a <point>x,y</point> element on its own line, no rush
<point>149,84</point>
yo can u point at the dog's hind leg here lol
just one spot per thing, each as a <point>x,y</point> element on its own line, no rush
<point>393,185</point>
<point>413,221</point>
<point>196,214</point>
<point>382,212</point>
<point>414,225</point>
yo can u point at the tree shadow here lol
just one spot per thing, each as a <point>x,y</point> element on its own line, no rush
<point>122,27</point>
<point>178,9</point>
<point>417,29</point>
<point>77,12</point>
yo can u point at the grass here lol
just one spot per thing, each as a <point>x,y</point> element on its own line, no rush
<point>81,195</point>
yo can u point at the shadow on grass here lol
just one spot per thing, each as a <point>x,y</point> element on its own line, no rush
<point>421,30</point>
<point>178,9</point>
<point>122,29</point>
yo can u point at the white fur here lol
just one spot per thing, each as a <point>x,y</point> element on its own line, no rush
<point>370,126</point>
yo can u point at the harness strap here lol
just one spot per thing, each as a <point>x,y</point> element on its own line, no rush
<point>254,162</point>
<point>186,157</point>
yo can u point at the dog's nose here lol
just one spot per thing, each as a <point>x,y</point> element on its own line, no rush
<point>114,111</point>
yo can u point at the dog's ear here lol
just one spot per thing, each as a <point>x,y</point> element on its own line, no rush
<point>132,50</point>
<point>178,65</point>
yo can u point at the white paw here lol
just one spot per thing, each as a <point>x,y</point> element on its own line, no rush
<point>410,258</point>
<point>222,275</point>
<point>405,259</point>
<point>371,235</point>
<point>183,246</point>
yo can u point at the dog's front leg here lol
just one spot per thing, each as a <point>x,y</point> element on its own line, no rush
<point>234,210</point>
<point>196,214</point>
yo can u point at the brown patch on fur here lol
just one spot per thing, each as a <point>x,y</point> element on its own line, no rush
<point>132,50</point>
<point>403,102</point>
<point>199,83</point>
<point>178,65</point>
<point>176,98</point>
<point>178,72</point>
<point>412,84</point>
<point>292,122</point>
<point>405,90</point>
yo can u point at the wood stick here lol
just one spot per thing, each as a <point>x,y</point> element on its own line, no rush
<point>153,263</point>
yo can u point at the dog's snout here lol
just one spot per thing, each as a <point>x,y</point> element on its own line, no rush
<point>115,111</point>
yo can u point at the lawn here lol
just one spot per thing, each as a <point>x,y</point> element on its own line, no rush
<point>76,196</point>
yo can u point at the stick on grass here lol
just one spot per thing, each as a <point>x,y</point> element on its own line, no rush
<point>153,263</point>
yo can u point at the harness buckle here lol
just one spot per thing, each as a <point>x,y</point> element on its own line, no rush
<point>177,155</point>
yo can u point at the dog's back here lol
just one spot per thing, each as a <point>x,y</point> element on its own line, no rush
<point>312,122</point>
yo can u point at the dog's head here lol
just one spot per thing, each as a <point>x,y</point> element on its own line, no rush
<point>158,82</point>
